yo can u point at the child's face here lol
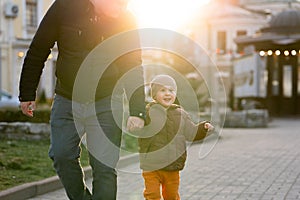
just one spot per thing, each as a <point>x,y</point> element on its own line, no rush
<point>165,96</point>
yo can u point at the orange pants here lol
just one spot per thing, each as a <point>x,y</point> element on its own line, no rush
<point>167,180</point>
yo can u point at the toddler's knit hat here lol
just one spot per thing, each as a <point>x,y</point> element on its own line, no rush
<point>162,80</point>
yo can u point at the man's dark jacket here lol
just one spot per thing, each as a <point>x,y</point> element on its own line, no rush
<point>76,29</point>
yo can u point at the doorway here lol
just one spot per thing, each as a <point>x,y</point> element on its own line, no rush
<point>287,85</point>
<point>283,85</point>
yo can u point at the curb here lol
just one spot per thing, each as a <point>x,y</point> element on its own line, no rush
<point>29,190</point>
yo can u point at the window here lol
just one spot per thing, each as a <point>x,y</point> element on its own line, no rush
<point>287,81</point>
<point>298,82</point>
<point>239,33</point>
<point>275,76</point>
<point>221,42</point>
<point>298,76</point>
<point>31,14</point>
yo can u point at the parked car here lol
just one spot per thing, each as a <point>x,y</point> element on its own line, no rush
<point>8,101</point>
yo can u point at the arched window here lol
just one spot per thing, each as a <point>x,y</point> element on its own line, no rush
<point>31,14</point>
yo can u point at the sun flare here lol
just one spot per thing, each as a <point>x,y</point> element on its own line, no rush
<point>168,14</point>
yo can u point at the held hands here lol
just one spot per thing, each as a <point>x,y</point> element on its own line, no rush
<point>27,108</point>
<point>208,126</point>
<point>134,123</point>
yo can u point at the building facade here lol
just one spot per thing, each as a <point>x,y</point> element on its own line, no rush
<point>215,29</point>
<point>221,21</point>
<point>278,44</point>
<point>18,23</point>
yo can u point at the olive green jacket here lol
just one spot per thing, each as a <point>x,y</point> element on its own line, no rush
<point>162,145</point>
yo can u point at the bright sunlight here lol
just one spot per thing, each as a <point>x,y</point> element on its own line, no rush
<point>167,14</point>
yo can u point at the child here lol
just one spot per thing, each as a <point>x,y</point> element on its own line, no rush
<point>163,154</point>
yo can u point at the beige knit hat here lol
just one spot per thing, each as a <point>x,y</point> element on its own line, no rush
<point>162,80</point>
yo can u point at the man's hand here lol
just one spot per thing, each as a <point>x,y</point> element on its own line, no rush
<point>28,107</point>
<point>208,126</point>
<point>134,123</point>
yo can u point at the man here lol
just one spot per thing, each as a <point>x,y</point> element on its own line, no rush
<point>77,27</point>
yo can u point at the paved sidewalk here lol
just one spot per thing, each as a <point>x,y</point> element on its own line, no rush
<point>262,163</point>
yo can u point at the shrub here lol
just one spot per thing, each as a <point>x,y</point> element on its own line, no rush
<point>40,116</point>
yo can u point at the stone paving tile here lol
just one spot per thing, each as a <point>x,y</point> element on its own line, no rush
<point>245,164</point>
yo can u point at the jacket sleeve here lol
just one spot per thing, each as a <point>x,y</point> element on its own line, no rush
<point>38,52</point>
<point>132,63</point>
<point>201,131</point>
<point>194,132</point>
<point>137,99</point>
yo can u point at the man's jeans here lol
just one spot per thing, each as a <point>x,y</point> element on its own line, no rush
<point>103,138</point>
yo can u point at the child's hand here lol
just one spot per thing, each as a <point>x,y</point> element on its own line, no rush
<point>208,126</point>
